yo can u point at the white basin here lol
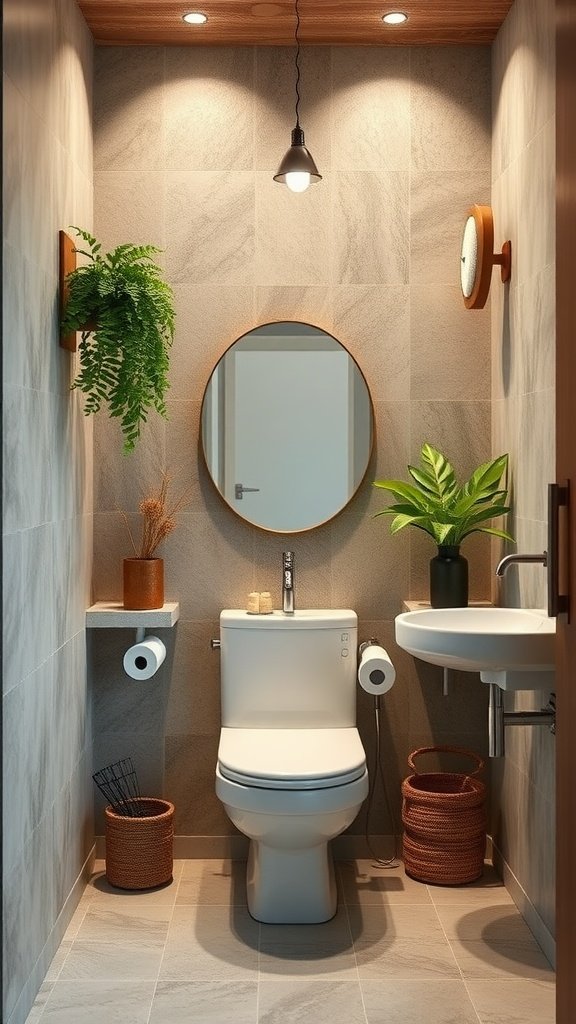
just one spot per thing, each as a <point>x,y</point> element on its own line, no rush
<point>480,639</point>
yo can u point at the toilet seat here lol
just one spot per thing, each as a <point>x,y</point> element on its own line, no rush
<point>291,759</point>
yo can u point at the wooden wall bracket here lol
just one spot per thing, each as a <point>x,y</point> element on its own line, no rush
<point>67,250</point>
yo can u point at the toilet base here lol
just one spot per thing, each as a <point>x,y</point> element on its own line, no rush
<point>290,886</point>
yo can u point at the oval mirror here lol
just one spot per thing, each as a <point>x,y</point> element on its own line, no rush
<point>287,427</point>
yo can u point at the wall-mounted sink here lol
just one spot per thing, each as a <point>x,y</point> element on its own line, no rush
<point>492,641</point>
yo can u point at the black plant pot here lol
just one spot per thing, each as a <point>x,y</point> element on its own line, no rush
<point>448,578</point>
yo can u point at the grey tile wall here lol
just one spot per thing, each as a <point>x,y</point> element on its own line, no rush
<point>186,143</point>
<point>47,528</point>
<point>523,346</point>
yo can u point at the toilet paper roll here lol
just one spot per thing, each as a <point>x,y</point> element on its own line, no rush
<point>143,660</point>
<point>376,673</point>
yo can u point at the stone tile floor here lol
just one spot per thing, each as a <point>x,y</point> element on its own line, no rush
<point>397,952</point>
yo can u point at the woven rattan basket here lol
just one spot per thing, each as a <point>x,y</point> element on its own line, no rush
<point>139,850</point>
<point>444,822</point>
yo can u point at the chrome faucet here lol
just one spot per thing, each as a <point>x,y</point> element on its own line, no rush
<point>509,560</point>
<point>288,582</point>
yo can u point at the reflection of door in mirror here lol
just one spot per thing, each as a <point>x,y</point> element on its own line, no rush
<point>287,426</point>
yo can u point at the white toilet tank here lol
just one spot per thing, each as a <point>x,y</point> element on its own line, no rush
<point>293,671</point>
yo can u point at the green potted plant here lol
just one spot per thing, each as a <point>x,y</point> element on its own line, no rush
<point>435,503</point>
<point>125,312</point>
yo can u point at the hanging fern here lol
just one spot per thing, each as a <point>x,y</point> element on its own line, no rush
<point>124,360</point>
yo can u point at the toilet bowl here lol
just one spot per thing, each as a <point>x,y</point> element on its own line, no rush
<point>291,770</point>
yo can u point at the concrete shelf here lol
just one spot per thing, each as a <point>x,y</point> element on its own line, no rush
<point>113,615</point>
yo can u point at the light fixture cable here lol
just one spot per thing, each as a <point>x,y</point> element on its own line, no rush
<point>297,61</point>
<point>297,169</point>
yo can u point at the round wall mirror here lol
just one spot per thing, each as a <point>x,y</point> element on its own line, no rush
<point>287,427</point>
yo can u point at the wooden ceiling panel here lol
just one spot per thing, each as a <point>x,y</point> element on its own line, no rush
<point>332,22</point>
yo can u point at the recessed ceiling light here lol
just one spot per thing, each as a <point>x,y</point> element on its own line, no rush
<point>394,18</point>
<point>195,18</point>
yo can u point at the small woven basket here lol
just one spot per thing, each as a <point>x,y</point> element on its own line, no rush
<point>139,850</point>
<point>444,821</point>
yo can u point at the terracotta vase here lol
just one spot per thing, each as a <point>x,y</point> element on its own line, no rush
<point>143,583</point>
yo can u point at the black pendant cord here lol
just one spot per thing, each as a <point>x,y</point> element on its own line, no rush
<point>393,861</point>
<point>297,66</point>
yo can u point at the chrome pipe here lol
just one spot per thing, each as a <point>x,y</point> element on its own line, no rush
<point>529,718</point>
<point>509,560</point>
<point>496,722</point>
<point>498,719</point>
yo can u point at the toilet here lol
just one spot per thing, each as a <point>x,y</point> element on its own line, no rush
<point>291,770</point>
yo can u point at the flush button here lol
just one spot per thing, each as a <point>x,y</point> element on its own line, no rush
<point>344,638</point>
<point>344,652</point>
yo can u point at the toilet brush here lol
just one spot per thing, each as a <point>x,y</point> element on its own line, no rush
<point>119,784</point>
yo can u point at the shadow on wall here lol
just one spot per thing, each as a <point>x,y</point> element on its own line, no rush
<point>129,715</point>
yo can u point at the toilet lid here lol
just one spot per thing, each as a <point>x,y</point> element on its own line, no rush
<point>291,758</point>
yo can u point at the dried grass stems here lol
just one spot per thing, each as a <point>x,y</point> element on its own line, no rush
<point>159,519</point>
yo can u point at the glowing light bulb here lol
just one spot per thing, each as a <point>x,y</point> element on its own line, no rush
<point>395,18</point>
<point>195,18</point>
<point>298,181</point>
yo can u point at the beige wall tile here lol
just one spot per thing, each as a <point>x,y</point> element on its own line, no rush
<point>391,445</point>
<point>130,206</point>
<point>536,225</point>
<point>464,711</point>
<point>437,218</point>
<point>194,689</point>
<point>129,122</point>
<point>122,480</point>
<point>370,106</point>
<point>535,466</point>
<point>302,224</point>
<point>190,780</point>
<point>440,369</point>
<point>184,446</point>
<point>312,305</point>
<point>523,77</point>
<point>461,430</point>
<point>369,567</point>
<point>209,121</point>
<point>215,550</point>
<point>371,225</point>
<point>373,322</point>
<point>210,223</point>
<point>538,333</point>
<point>111,546</point>
<point>450,100</point>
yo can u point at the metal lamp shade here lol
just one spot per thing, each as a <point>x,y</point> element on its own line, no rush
<point>297,158</point>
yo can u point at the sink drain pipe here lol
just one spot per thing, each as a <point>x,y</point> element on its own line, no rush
<point>498,719</point>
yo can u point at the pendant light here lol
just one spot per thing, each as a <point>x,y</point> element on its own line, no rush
<point>297,169</point>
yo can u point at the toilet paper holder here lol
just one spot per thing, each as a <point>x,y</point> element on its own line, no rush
<point>376,673</point>
<point>143,659</point>
<point>372,641</point>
